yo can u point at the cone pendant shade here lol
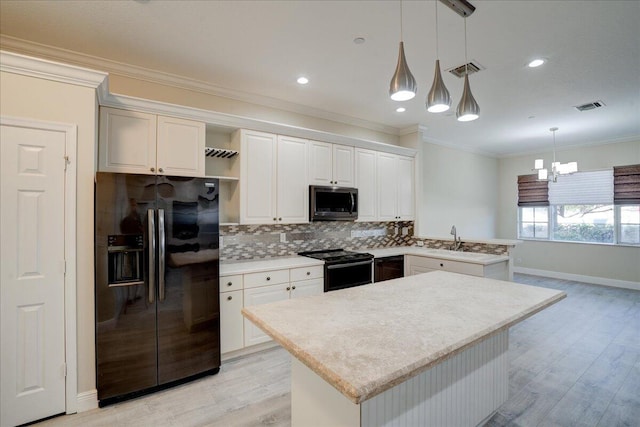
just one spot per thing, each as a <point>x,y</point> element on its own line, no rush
<point>468,108</point>
<point>438,99</point>
<point>403,85</point>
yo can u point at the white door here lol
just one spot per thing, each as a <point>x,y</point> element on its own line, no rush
<point>180,147</point>
<point>366,184</point>
<point>320,163</point>
<point>343,165</point>
<point>405,188</point>
<point>258,185</point>
<point>292,181</point>
<point>256,296</point>
<point>387,181</point>
<point>32,288</point>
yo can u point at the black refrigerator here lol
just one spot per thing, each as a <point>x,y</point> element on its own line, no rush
<point>156,285</point>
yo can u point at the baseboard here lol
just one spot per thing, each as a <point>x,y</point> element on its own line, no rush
<point>87,400</point>
<point>626,284</point>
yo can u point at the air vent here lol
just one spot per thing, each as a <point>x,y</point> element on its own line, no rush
<point>590,106</point>
<point>460,70</point>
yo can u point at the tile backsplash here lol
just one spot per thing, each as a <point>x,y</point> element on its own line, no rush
<point>242,242</point>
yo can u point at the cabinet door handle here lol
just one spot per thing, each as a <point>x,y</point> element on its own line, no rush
<point>153,169</point>
<point>288,288</point>
<point>274,219</point>
<point>229,284</point>
<point>441,265</point>
<point>160,170</point>
<point>268,278</point>
<point>279,219</point>
<point>293,287</point>
<point>308,273</point>
<point>229,298</point>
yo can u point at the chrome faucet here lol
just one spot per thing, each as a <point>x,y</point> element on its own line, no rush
<point>457,241</point>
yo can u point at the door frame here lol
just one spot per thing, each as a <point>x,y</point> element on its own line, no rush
<point>70,243</point>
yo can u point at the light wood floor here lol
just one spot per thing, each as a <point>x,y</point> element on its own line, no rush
<point>574,364</point>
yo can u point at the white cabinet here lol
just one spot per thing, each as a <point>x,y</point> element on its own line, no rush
<point>261,295</point>
<point>422,264</point>
<point>231,320</point>
<point>273,179</point>
<point>278,285</point>
<point>331,164</point>
<point>134,142</point>
<point>366,184</point>
<point>395,187</point>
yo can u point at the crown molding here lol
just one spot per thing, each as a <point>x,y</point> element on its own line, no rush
<point>44,69</point>
<point>168,79</point>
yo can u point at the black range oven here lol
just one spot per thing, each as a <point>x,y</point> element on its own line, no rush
<point>344,269</point>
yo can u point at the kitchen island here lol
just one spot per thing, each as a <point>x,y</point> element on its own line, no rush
<point>429,349</point>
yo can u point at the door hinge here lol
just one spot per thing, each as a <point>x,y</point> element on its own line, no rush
<point>66,162</point>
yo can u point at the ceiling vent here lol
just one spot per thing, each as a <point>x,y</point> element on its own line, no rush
<point>460,70</point>
<point>590,106</point>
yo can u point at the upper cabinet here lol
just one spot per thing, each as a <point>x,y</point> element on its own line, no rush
<point>366,161</point>
<point>134,142</point>
<point>274,179</point>
<point>331,164</point>
<point>395,187</point>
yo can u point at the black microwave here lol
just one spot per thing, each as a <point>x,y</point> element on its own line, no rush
<point>333,203</point>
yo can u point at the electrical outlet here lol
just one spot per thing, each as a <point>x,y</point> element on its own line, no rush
<point>283,237</point>
<point>420,243</point>
<point>405,231</point>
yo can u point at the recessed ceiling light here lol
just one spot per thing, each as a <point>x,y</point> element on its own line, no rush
<point>401,109</point>
<point>359,40</point>
<point>536,63</point>
<point>302,80</point>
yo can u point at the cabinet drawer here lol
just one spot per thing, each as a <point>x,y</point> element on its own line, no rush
<point>447,265</point>
<point>306,273</point>
<point>264,278</point>
<point>230,283</point>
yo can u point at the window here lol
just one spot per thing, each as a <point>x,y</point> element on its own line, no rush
<point>581,209</point>
<point>583,223</point>
<point>629,230</point>
<point>534,222</point>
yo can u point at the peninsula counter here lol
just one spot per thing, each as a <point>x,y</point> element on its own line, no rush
<point>429,349</point>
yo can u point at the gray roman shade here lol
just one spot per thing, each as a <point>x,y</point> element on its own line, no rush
<point>583,188</point>
<point>532,192</point>
<point>626,185</point>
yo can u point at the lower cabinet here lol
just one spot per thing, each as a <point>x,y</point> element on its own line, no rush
<point>243,290</point>
<point>422,264</point>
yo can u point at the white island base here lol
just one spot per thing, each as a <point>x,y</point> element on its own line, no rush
<point>464,390</point>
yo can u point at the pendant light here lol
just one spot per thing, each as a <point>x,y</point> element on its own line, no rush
<point>557,168</point>
<point>438,99</point>
<point>468,108</point>
<point>403,85</point>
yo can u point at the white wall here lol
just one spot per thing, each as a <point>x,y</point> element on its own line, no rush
<point>46,100</point>
<point>458,188</point>
<point>608,262</point>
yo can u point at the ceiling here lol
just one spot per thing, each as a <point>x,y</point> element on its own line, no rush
<point>255,50</point>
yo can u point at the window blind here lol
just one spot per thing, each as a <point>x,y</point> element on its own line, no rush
<point>626,185</point>
<point>532,192</point>
<point>583,188</point>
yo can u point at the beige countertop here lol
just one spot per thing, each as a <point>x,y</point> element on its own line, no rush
<point>471,257</point>
<point>365,340</point>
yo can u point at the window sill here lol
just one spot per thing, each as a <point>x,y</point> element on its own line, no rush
<point>624,245</point>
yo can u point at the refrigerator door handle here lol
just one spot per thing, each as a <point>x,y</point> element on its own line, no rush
<point>151,223</point>
<point>161,253</point>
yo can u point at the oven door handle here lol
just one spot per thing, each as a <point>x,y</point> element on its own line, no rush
<point>348,264</point>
